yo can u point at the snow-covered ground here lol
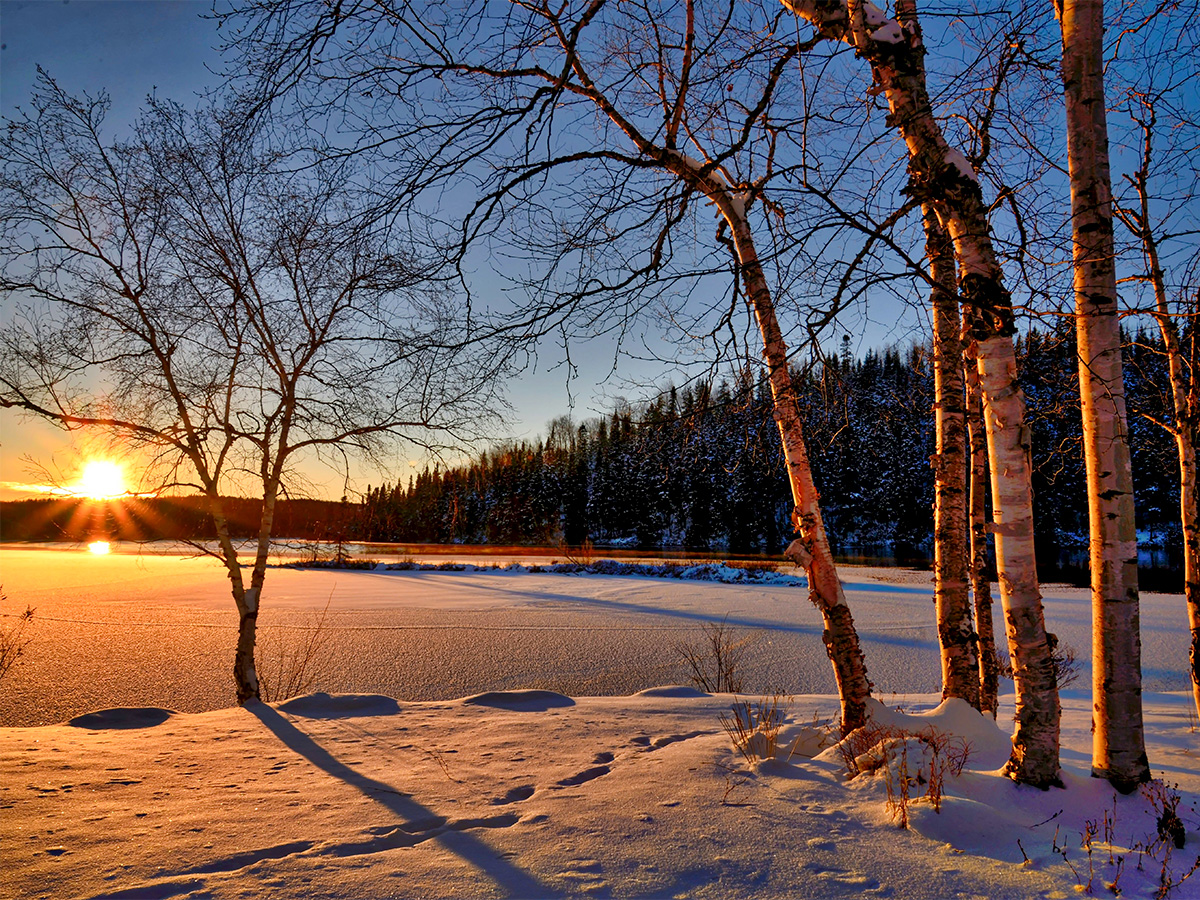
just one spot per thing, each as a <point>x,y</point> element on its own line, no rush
<point>500,771</point>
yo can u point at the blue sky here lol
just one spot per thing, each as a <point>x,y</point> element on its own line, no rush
<point>131,48</point>
<point>128,49</point>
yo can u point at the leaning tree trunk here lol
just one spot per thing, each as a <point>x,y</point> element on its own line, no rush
<point>1118,744</point>
<point>956,632</point>
<point>941,176</point>
<point>1185,402</point>
<point>811,547</point>
<point>981,586</point>
<point>1185,399</point>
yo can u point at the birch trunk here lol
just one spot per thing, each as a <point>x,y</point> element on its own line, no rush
<point>245,675</point>
<point>956,634</point>
<point>941,176</point>
<point>811,548</point>
<point>1185,401</point>
<point>981,586</point>
<point>1118,745</point>
<point>1189,508</point>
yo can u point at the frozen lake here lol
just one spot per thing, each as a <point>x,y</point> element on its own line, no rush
<point>140,629</point>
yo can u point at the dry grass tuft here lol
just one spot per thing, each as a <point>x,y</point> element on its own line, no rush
<point>288,668</point>
<point>715,661</point>
<point>754,726</point>
<point>907,760</point>
<point>12,637</point>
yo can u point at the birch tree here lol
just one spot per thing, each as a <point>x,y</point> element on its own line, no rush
<point>941,176</point>
<point>956,628</point>
<point>981,585</point>
<point>654,112</point>
<point>1159,210</point>
<point>1118,744</point>
<point>222,315</point>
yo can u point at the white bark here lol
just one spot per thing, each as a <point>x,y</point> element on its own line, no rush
<point>981,587</point>
<point>938,176</point>
<point>956,633</point>
<point>811,548</point>
<point>1118,745</point>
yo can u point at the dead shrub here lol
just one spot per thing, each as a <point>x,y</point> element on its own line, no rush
<point>907,759</point>
<point>1063,657</point>
<point>13,640</point>
<point>583,555</point>
<point>290,667</point>
<point>754,726</point>
<point>716,660</point>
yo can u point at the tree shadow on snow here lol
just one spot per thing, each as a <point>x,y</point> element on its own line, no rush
<point>419,822</point>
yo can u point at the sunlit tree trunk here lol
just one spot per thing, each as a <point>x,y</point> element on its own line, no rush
<point>1118,745</point>
<point>981,586</point>
<point>941,176</point>
<point>245,675</point>
<point>811,548</point>
<point>956,632</point>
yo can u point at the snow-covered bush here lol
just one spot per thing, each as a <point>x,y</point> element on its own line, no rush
<point>906,760</point>
<point>754,726</point>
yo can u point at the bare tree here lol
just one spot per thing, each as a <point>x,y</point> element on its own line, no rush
<point>1159,209</point>
<point>1118,744</point>
<point>221,310</point>
<point>942,176</point>
<point>648,114</point>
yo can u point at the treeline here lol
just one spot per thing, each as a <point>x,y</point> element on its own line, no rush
<point>167,518</point>
<point>701,468</point>
<point>698,468</point>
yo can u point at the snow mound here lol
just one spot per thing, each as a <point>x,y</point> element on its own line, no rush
<point>339,706</point>
<point>122,718</point>
<point>672,690</point>
<point>988,746</point>
<point>519,701</point>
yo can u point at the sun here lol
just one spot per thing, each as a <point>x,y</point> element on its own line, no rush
<point>102,480</point>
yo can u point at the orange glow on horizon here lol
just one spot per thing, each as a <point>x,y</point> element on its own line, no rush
<point>99,548</point>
